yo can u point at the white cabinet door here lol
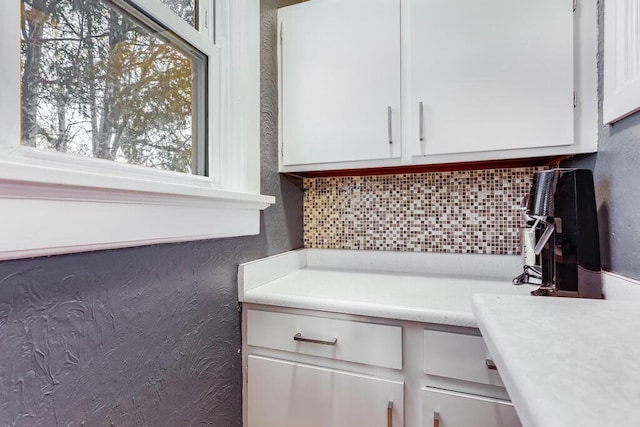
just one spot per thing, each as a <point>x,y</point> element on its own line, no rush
<point>491,74</point>
<point>286,394</point>
<point>463,410</point>
<point>339,76</point>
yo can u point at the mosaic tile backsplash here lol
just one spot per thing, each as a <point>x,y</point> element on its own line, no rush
<point>461,212</point>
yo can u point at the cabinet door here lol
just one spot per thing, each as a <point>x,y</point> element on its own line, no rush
<point>491,74</point>
<point>339,75</point>
<point>463,410</point>
<point>286,394</point>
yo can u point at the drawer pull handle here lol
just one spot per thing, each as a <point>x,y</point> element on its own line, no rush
<point>390,414</point>
<point>491,364</point>
<point>436,419</point>
<point>421,120</point>
<point>390,124</point>
<point>299,337</point>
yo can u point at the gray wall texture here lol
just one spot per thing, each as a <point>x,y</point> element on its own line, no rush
<point>144,336</point>
<point>616,169</point>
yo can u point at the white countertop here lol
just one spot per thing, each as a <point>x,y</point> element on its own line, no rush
<point>565,362</point>
<point>317,280</point>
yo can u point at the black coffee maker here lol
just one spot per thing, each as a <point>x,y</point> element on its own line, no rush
<point>563,201</point>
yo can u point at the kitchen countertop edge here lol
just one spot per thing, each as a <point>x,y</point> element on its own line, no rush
<point>384,311</point>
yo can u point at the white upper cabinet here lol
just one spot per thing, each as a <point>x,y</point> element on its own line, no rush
<point>339,81</point>
<point>465,81</point>
<point>490,74</point>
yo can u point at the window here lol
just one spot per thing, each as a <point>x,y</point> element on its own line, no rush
<point>132,122</point>
<point>621,60</point>
<point>108,82</point>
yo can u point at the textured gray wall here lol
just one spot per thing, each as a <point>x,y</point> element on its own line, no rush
<point>143,336</point>
<point>616,169</point>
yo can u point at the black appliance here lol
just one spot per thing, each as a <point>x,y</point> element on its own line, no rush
<point>563,200</point>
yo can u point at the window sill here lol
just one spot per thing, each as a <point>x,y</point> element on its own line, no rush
<point>46,212</point>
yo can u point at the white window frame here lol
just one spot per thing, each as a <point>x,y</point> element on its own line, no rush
<point>621,59</point>
<point>54,203</point>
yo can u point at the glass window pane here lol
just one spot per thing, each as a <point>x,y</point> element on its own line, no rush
<point>98,83</point>
<point>185,9</point>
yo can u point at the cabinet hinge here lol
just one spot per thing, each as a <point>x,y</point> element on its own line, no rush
<point>575,99</point>
<point>575,5</point>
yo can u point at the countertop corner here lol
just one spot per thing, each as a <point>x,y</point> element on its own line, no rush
<point>565,362</point>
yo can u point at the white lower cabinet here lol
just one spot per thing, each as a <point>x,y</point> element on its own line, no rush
<point>442,408</point>
<point>305,368</point>
<point>288,394</point>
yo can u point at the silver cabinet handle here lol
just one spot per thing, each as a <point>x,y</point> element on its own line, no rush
<point>390,414</point>
<point>436,419</point>
<point>390,124</point>
<point>299,337</point>
<point>491,364</point>
<point>421,119</point>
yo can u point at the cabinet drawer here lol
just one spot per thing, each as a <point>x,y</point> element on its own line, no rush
<point>287,394</point>
<point>464,410</point>
<point>371,344</point>
<point>459,356</point>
